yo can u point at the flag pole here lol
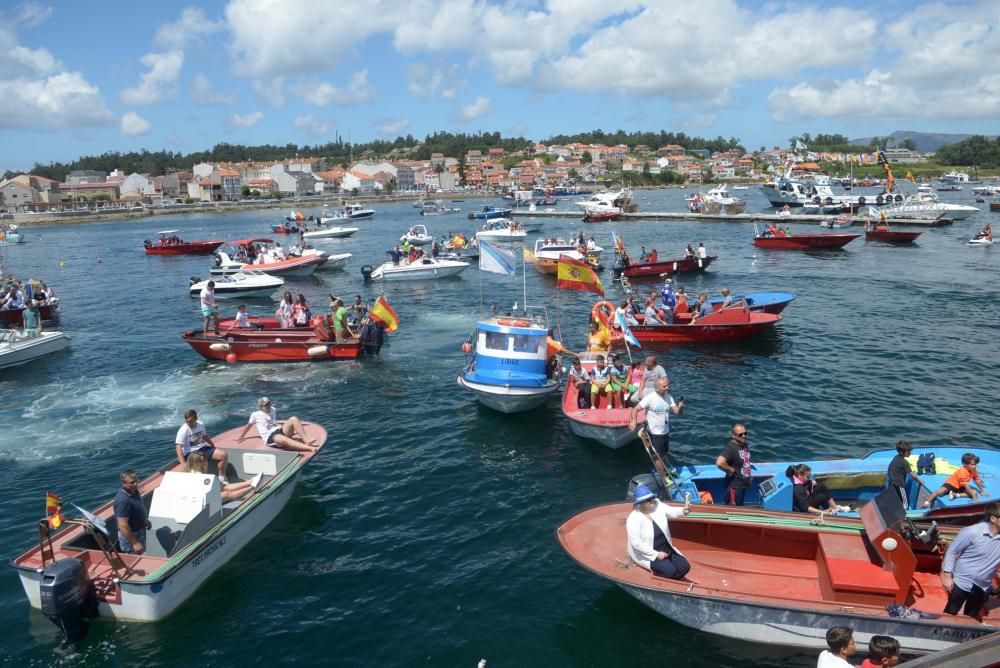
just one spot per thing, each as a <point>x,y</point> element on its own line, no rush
<point>524,280</point>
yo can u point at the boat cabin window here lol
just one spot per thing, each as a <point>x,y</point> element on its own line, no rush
<point>496,341</point>
<point>524,343</point>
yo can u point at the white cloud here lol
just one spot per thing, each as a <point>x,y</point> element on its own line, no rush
<point>424,82</point>
<point>313,126</point>
<point>32,14</point>
<point>191,26</point>
<point>479,108</point>
<point>245,120</point>
<point>519,129</point>
<point>358,91</point>
<point>393,127</point>
<point>64,100</point>
<point>271,91</point>
<point>698,122</point>
<point>133,124</point>
<point>160,82</point>
<point>17,60</point>
<point>204,93</point>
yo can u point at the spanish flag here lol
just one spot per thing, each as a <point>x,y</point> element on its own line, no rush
<point>573,274</point>
<point>53,510</point>
<point>381,312</point>
<point>529,256</point>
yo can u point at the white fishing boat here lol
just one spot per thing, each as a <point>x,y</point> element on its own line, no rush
<point>18,348</point>
<point>417,236</point>
<point>507,370</point>
<point>241,284</point>
<point>193,534</point>
<point>436,208</point>
<point>717,201</point>
<point>502,231</point>
<point>608,202</point>
<point>925,205</point>
<point>349,212</point>
<point>422,269</point>
<point>332,232</point>
<point>9,235</point>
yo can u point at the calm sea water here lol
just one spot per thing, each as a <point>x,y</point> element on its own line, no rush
<point>424,533</point>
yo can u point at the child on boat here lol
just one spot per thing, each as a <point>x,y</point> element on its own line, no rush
<point>883,651</point>
<point>960,482</point>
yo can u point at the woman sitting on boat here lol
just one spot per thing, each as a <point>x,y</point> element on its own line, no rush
<point>809,496</point>
<point>649,543</point>
<point>231,491</point>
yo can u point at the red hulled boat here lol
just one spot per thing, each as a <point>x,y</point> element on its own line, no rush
<point>601,216</point>
<point>15,316</point>
<point>682,265</point>
<point>302,344</point>
<point>606,426</point>
<point>171,244</point>
<point>729,324</point>
<point>883,233</point>
<point>804,241</point>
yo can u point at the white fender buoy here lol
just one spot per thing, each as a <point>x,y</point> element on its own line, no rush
<point>219,347</point>
<point>675,266</point>
<point>317,350</point>
<point>277,340</point>
<point>700,265</point>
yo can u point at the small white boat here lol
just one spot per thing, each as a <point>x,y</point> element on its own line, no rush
<point>925,206</point>
<point>417,236</point>
<point>17,348</point>
<point>609,202</point>
<point>240,284</point>
<point>9,235</point>
<point>436,208</point>
<point>548,252</point>
<point>330,233</point>
<point>336,261</point>
<point>502,231</point>
<point>425,268</point>
<point>839,222</point>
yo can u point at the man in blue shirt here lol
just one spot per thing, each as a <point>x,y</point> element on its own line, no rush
<point>970,562</point>
<point>130,514</point>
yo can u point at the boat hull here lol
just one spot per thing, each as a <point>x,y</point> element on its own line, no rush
<point>610,428</point>
<point>891,237</point>
<point>404,273</point>
<point>721,326</point>
<point>296,267</point>
<point>678,266</point>
<point>509,399</point>
<point>805,241</point>
<point>765,302</point>
<point>271,345</point>
<point>21,352</point>
<point>333,233</point>
<point>15,316</point>
<point>186,248</point>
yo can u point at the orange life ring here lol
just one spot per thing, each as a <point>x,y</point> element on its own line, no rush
<point>602,312</point>
<point>512,322</point>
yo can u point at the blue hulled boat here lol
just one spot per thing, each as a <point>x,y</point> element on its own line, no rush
<point>507,370</point>
<point>490,212</point>
<point>767,302</point>
<point>851,483</point>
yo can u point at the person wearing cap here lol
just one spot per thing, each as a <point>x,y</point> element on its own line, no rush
<point>290,435</point>
<point>899,470</point>
<point>193,437</point>
<point>648,532</point>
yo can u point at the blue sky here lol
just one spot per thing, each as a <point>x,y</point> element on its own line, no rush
<point>74,81</point>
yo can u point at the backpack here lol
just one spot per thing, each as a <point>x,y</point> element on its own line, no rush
<point>926,465</point>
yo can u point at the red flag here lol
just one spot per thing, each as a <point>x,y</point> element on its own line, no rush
<point>53,510</point>
<point>573,274</point>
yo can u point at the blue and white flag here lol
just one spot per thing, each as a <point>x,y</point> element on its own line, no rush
<point>496,260</point>
<point>94,519</point>
<point>629,336</point>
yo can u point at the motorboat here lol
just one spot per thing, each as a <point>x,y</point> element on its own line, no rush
<point>267,258</point>
<point>717,201</point>
<point>733,323</point>
<point>506,369</point>
<point>491,212</point>
<point>881,232</point>
<point>597,216</point>
<point>332,232</point>
<point>170,243</point>
<point>784,580</point>
<point>354,211</point>
<point>437,208</point>
<point>422,269</point>
<point>15,316</point>
<point>77,571</point>
<point>241,284</point>
<point>517,198</point>
<point>925,206</point>
<point>335,261</point>
<point>459,247</point>
<point>607,202</point>
<point>502,232</point>
<point>548,251</point>
<point>785,241</point>
<point>851,482</point>
<point>838,222</point>
<point>995,204</point>
<point>349,212</point>
<point>18,347</point>
<point>766,302</point>
<point>9,235</point>
<point>607,426</point>
<point>788,191</point>
<point>417,236</point>
<point>315,343</point>
<point>652,270</point>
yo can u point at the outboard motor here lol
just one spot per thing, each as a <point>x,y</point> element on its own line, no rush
<point>218,260</point>
<point>366,271</point>
<point>618,268</point>
<point>193,280</point>
<point>68,597</point>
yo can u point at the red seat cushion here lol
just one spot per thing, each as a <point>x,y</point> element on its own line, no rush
<point>860,576</point>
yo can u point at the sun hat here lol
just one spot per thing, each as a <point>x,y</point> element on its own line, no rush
<point>263,401</point>
<point>643,494</point>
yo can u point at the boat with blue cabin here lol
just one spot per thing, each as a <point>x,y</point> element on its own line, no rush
<point>507,367</point>
<point>491,212</point>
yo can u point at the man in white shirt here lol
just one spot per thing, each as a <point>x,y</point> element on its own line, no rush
<point>702,253</point>
<point>288,436</point>
<point>658,407</point>
<point>209,309</point>
<point>192,437</point>
<point>650,375</point>
<point>840,640</point>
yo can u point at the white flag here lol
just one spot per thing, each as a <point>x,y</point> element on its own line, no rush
<point>496,260</point>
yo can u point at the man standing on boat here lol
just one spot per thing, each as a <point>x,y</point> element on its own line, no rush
<point>130,515</point>
<point>970,563</point>
<point>659,405</point>
<point>209,309</point>
<point>734,460</point>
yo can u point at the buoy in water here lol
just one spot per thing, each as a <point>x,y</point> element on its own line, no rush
<point>231,358</point>
<point>62,265</point>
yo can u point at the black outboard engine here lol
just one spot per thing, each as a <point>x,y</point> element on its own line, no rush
<point>68,598</point>
<point>618,268</point>
<point>218,260</point>
<point>366,271</point>
<point>193,280</point>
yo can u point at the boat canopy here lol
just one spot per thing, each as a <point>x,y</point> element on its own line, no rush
<point>169,232</point>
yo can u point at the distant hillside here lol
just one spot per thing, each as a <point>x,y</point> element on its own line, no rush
<point>925,141</point>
